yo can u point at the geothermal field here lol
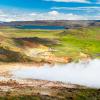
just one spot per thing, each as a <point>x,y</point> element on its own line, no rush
<point>50,61</point>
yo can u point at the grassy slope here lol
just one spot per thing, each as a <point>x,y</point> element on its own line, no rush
<point>85,40</point>
<point>71,41</point>
<point>60,94</point>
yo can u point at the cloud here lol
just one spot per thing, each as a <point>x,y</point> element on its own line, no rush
<point>78,8</point>
<point>55,15</point>
<point>77,1</point>
<point>87,9</point>
<point>80,1</point>
<point>51,15</point>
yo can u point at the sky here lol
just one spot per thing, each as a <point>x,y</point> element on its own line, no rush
<point>30,10</point>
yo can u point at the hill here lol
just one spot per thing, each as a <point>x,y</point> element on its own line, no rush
<point>24,45</point>
<point>66,23</point>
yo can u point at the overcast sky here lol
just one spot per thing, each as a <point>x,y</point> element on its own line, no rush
<point>29,10</point>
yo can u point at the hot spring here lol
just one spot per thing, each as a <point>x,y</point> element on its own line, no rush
<point>82,73</point>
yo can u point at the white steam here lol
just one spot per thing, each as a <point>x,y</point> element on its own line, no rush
<point>87,74</point>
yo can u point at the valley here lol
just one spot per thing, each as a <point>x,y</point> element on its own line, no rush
<point>26,44</point>
<point>37,64</point>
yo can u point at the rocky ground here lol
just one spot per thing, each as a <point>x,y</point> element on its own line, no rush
<point>33,89</point>
<point>45,90</point>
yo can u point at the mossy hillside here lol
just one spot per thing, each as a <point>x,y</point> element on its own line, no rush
<point>69,42</point>
<point>73,41</point>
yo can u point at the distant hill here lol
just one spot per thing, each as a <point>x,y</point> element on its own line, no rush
<point>66,23</point>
